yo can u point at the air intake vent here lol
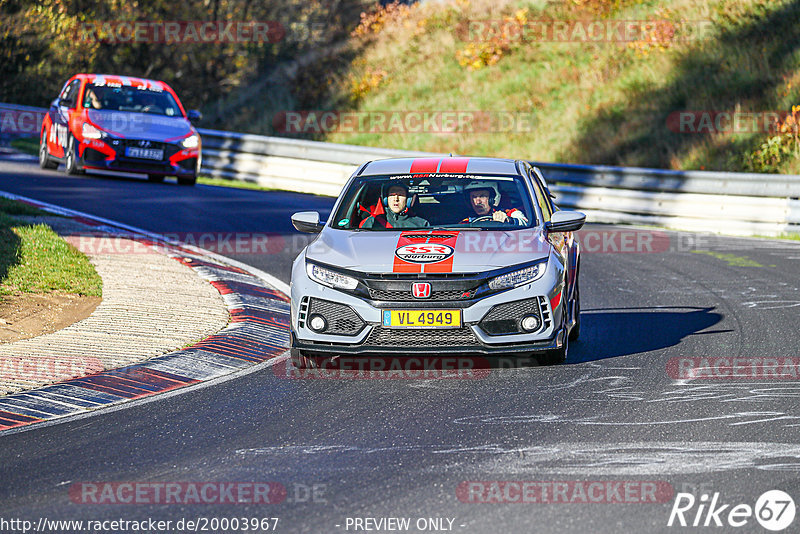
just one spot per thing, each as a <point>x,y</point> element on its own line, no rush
<point>506,318</point>
<point>546,316</point>
<point>399,337</point>
<point>342,319</point>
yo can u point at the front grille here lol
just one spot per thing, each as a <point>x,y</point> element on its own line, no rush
<point>342,319</point>
<point>141,165</point>
<point>136,142</point>
<point>400,337</point>
<point>405,295</point>
<point>505,318</point>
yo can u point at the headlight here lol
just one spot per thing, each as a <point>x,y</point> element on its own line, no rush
<point>518,278</point>
<point>329,278</point>
<point>191,142</point>
<point>90,132</point>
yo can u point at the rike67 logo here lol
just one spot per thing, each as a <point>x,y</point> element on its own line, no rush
<point>774,510</point>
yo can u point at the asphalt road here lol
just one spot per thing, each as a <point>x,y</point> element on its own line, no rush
<point>402,448</point>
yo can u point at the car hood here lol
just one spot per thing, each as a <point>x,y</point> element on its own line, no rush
<point>141,125</point>
<point>395,251</point>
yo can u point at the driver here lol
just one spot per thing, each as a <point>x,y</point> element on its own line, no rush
<point>394,197</point>
<point>91,100</point>
<point>483,197</point>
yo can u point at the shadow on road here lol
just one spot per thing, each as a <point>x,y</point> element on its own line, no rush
<point>607,333</point>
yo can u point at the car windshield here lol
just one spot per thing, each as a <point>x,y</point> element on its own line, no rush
<point>132,99</point>
<point>417,201</point>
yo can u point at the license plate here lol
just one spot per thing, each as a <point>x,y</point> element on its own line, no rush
<point>422,318</point>
<point>144,153</point>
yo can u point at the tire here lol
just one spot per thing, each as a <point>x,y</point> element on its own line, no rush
<point>187,180</point>
<point>44,155</point>
<point>156,178</point>
<point>71,164</point>
<point>557,356</point>
<point>576,330</point>
<point>302,359</point>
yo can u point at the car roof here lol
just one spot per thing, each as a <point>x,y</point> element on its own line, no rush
<point>115,79</point>
<point>451,164</point>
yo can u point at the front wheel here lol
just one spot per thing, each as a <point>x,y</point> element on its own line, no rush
<point>71,158</point>
<point>302,359</point>
<point>44,155</point>
<point>576,330</point>
<point>554,357</point>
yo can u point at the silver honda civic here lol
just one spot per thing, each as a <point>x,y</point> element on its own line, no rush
<point>438,255</point>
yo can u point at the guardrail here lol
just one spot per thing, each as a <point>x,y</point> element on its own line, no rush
<point>19,121</point>
<point>737,203</point>
<point>733,203</point>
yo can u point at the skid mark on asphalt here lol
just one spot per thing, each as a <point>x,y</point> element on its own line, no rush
<point>733,419</point>
<point>588,459</point>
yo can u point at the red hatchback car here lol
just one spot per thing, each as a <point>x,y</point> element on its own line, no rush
<point>119,123</point>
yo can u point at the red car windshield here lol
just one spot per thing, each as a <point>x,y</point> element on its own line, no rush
<point>131,99</point>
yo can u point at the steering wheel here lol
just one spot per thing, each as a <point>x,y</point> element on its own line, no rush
<point>483,218</point>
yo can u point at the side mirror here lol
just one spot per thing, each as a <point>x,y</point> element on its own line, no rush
<point>307,222</point>
<point>193,115</point>
<point>565,221</point>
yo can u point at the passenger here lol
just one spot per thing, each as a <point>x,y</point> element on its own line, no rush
<point>483,197</point>
<point>394,198</point>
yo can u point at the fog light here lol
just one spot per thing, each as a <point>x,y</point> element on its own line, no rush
<point>317,323</point>
<point>531,323</point>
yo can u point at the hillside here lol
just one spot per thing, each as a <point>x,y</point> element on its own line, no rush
<point>688,84</point>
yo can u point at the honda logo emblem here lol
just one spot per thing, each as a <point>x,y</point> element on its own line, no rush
<point>421,290</point>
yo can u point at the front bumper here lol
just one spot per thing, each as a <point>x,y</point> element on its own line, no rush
<point>556,342</point>
<point>354,324</point>
<point>177,161</point>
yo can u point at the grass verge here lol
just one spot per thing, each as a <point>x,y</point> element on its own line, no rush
<point>239,184</point>
<point>27,145</point>
<point>34,259</point>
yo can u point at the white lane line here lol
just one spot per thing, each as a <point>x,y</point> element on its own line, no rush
<point>124,405</point>
<point>281,286</point>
